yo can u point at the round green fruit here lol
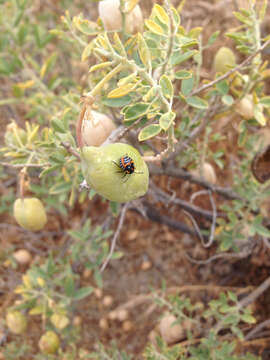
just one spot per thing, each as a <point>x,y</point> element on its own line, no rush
<point>16,322</point>
<point>102,171</point>
<point>49,343</point>
<point>30,214</point>
<point>224,60</point>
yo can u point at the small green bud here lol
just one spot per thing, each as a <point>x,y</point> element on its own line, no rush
<point>30,214</point>
<point>49,343</point>
<point>224,60</point>
<point>100,167</point>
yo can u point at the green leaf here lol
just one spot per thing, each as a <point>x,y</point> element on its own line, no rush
<point>117,102</point>
<point>265,101</point>
<point>187,85</point>
<point>82,293</point>
<point>227,100</point>
<point>223,87</point>
<point>197,102</point>
<point>232,296</point>
<point>259,116</point>
<point>133,112</point>
<point>161,14</point>
<point>166,120</point>
<point>144,52</point>
<point>121,91</point>
<point>154,27</point>
<point>149,131</point>
<point>69,286</point>
<point>85,26</point>
<point>183,74</point>
<point>58,126</point>
<point>166,86</point>
<point>249,319</point>
<point>178,57</point>
<point>114,208</point>
<point>87,51</point>
<point>213,38</point>
<point>241,17</point>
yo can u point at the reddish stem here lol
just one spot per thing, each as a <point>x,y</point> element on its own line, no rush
<point>86,101</point>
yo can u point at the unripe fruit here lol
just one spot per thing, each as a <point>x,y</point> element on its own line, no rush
<point>109,12</point>
<point>96,127</point>
<point>30,214</point>
<point>49,343</point>
<point>100,167</point>
<point>23,257</point>
<point>16,322</point>
<point>224,60</point>
<point>170,331</point>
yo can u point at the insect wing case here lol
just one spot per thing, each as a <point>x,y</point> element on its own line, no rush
<point>102,174</point>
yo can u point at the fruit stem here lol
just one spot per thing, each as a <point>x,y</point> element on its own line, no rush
<point>22,182</point>
<point>86,101</point>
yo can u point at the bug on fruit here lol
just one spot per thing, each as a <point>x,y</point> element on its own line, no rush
<point>126,166</point>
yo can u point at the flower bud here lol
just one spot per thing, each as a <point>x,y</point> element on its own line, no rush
<point>102,171</point>
<point>49,343</point>
<point>30,214</point>
<point>16,322</point>
<point>109,12</point>
<point>224,60</point>
<point>96,127</point>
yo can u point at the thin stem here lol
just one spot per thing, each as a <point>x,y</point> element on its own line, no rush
<point>228,73</point>
<point>116,234</point>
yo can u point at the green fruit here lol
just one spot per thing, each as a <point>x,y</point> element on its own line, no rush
<point>49,343</point>
<point>224,60</point>
<point>16,322</point>
<point>30,214</point>
<point>99,167</point>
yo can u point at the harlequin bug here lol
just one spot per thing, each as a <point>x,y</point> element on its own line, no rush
<point>126,166</point>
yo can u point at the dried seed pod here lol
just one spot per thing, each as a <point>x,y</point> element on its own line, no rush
<point>30,214</point>
<point>245,107</point>
<point>224,60</point>
<point>127,325</point>
<point>109,12</point>
<point>115,171</point>
<point>22,256</point>
<point>49,343</point>
<point>208,173</point>
<point>103,324</point>
<point>122,314</point>
<point>16,322</point>
<point>96,127</point>
<point>107,300</point>
<point>170,331</point>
